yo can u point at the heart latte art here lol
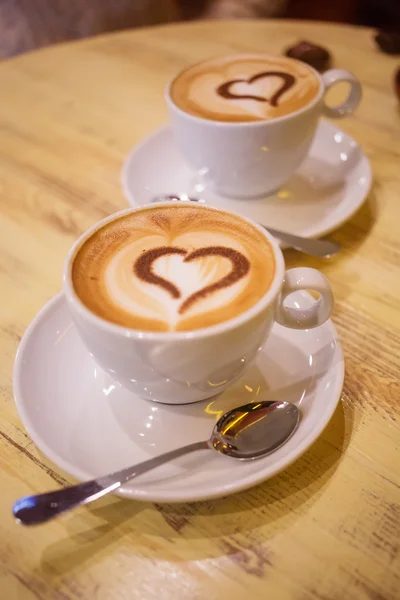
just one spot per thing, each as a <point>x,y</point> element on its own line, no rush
<point>245,88</point>
<point>173,268</point>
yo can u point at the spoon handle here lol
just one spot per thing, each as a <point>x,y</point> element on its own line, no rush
<point>32,510</point>
<point>321,248</point>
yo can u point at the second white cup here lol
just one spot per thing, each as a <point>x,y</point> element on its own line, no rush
<point>250,159</point>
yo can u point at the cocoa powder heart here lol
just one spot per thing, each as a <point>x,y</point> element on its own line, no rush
<point>143,269</point>
<point>289,80</point>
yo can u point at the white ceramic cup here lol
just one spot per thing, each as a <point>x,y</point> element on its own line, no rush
<point>184,367</point>
<point>251,159</point>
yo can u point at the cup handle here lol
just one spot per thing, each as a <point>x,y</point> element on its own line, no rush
<point>304,278</point>
<point>329,79</point>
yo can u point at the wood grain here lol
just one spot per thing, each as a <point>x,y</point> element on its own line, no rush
<point>327,528</point>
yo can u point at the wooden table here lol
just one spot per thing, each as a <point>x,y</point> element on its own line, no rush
<point>327,528</point>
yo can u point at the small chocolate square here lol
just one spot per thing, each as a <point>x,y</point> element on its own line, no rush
<point>388,41</point>
<point>315,56</point>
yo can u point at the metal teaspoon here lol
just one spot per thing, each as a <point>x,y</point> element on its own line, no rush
<point>247,432</point>
<point>313,247</point>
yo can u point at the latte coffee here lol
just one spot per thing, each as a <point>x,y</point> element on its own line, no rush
<point>245,87</point>
<point>173,268</point>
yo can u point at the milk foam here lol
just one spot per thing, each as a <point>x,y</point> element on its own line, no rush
<point>148,301</point>
<point>195,90</point>
<point>173,268</point>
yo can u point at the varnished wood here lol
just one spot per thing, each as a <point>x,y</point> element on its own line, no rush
<point>329,526</point>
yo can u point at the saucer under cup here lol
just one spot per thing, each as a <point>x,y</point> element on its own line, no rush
<point>326,191</point>
<point>89,426</point>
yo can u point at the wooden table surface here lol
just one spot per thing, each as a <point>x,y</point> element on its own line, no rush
<point>329,526</point>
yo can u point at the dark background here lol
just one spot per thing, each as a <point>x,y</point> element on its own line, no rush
<point>30,24</point>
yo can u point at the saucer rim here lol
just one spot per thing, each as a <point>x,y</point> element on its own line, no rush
<point>59,302</point>
<point>310,232</point>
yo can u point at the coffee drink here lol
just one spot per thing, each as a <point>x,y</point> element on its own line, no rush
<point>173,268</point>
<point>246,87</point>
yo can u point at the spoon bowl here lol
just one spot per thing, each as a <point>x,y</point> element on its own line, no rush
<point>242,432</point>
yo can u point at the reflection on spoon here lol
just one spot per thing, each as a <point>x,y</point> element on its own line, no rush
<point>245,433</point>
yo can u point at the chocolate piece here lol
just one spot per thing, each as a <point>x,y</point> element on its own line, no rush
<point>388,41</point>
<point>315,56</point>
<point>397,83</point>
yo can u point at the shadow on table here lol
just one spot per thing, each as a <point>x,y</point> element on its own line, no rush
<point>271,507</point>
<point>277,499</point>
<point>351,236</point>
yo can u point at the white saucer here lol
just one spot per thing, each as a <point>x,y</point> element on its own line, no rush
<point>328,189</point>
<point>89,426</point>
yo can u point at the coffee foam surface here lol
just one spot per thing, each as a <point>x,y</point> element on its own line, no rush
<point>173,268</point>
<point>244,88</point>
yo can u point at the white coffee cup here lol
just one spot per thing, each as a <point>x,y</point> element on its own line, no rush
<point>184,367</point>
<point>251,159</point>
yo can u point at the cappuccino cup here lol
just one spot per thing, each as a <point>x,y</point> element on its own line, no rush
<point>245,122</point>
<point>174,300</point>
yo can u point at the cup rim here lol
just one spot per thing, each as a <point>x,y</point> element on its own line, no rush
<point>240,124</point>
<point>128,332</point>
